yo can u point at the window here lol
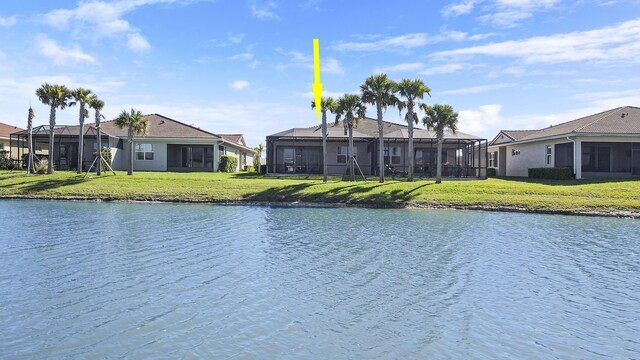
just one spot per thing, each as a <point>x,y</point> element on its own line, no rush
<point>392,155</point>
<point>144,151</point>
<point>342,154</point>
<point>548,162</point>
<point>493,159</point>
<point>515,152</point>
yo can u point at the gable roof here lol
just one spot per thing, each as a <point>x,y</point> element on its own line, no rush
<point>512,135</point>
<point>234,138</point>
<point>619,121</point>
<point>6,130</point>
<point>160,127</point>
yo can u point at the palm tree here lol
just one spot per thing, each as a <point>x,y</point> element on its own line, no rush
<point>351,109</point>
<point>82,97</point>
<point>327,105</point>
<point>256,160</point>
<point>412,91</point>
<point>439,118</point>
<point>97,105</point>
<point>56,96</point>
<point>137,125</point>
<point>30,158</point>
<point>380,91</point>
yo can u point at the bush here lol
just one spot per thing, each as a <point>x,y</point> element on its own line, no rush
<point>249,168</point>
<point>551,173</point>
<point>263,169</point>
<point>491,172</point>
<point>6,163</point>
<point>41,166</point>
<point>228,163</point>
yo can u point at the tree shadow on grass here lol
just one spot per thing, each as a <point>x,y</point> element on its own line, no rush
<point>50,184</point>
<point>572,182</point>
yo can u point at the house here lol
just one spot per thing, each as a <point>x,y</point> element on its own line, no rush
<point>169,145</point>
<point>605,144</point>
<point>299,150</point>
<point>5,140</point>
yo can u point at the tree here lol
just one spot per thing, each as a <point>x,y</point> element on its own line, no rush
<point>380,91</point>
<point>30,158</point>
<point>256,160</point>
<point>327,105</point>
<point>137,125</point>
<point>56,96</point>
<point>351,109</point>
<point>97,105</point>
<point>412,91</point>
<point>81,97</point>
<point>439,118</point>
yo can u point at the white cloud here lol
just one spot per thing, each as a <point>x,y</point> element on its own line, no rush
<point>300,60</point>
<point>476,89</point>
<point>484,121</point>
<point>404,43</point>
<point>50,49</point>
<point>8,21</point>
<point>242,56</point>
<point>457,9</point>
<point>265,12</point>
<point>97,18</point>
<point>238,84</point>
<point>607,44</point>
<point>235,38</point>
<point>406,67</point>
<point>444,69</point>
<point>138,43</point>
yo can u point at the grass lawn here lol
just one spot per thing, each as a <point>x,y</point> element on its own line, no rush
<point>614,197</point>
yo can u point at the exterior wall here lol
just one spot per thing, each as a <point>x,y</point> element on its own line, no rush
<point>532,155</point>
<point>334,168</point>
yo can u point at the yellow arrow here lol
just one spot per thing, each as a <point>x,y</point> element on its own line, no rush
<point>317,85</point>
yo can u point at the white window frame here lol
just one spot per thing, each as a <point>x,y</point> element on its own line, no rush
<point>492,159</point>
<point>548,154</point>
<point>146,149</point>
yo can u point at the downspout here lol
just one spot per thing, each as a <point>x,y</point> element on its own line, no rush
<point>575,166</point>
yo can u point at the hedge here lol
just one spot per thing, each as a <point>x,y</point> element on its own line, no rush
<point>228,163</point>
<point>491,172</point>
<point>551,173</point>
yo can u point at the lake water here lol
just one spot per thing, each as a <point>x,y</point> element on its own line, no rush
<point>95,280</point>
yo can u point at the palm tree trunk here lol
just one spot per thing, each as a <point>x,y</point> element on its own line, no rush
<point>380,142</point>
<point>81,140</point>
<point>324,147</point>
<point>439,166</point>
<point>130,140</point>
<point>352,172</point>
<point>99,154</point>
<point>52,124</point>
<point>410,114</point>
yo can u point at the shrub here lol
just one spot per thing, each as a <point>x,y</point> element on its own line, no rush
<point>6,163</point>
<point>551,173</point>
<point>263,169</point>
<point>249,168</point>
<point>41,166</point>
<point>491,172</point>
<point>228,163</point>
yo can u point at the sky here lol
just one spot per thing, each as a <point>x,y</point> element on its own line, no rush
<point>246,66</point>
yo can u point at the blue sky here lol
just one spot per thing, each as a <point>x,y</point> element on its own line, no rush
<point>246,66</point>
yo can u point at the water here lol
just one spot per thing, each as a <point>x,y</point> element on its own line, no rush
<point>95,280</point>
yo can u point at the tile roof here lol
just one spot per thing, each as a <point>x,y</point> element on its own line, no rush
<point>518,134</point>
<point>367,128</point>
<point>618,121</point>
<point>160,127</point>
<point>6,130</point>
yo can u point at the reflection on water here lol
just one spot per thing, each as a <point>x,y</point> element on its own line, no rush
<point>96,280</point>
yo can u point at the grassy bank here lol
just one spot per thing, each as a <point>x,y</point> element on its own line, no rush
<point>613,197</point>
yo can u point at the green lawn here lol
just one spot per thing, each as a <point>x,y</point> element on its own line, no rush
<point>621,197</point>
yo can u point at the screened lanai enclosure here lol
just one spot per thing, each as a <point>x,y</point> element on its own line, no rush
<point>299,151</point>
<point>65,147</point>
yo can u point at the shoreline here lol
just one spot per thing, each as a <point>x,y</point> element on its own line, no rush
<point>623,214</point>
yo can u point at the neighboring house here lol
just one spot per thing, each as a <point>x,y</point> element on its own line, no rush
<point>5,140</point>
<point>606,145</point>
<point>244,157</point>
<point>299,150</point>
<point>169,145</point>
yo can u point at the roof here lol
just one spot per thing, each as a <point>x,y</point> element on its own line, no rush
<point>234,138</point>
<point>160,127</point>
<point>619,121</point>
<point>367,128</point>
<point>428,134</point>
<point>6,130</point>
